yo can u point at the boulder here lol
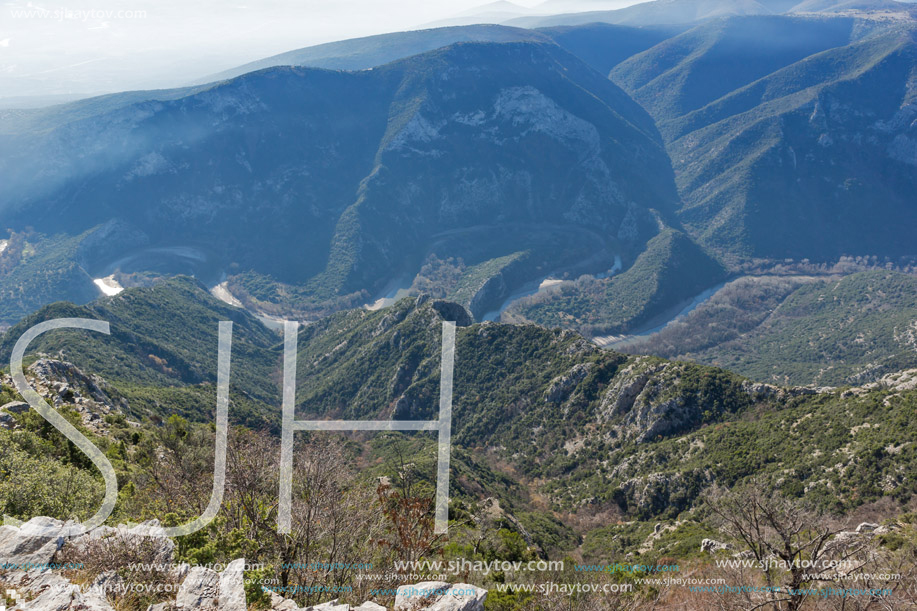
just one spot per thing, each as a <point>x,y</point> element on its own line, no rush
<point>440,596</point>
<point>49,591</point>
<point>369,606</point>
<point>412,597</point>
<point>461,597</point>
<point>279,603</point>
<point>232,587</point>
<point>179,572</point>
<point>35,542</point>
<point>199,591</point>
<point>15,407</point>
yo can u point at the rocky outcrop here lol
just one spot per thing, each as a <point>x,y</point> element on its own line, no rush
<point>64,384</point>
<point>15,407</point>
<point>232,587</point>
<point>658,493</point>
<point>7,421</point>
<point>897,381</point>
<point>645,401</point>
<point>425,596</point>
<point>199,591</point>
<point>453,311</point>
<point>27,550</point>
<point>33,543</point>
<point>440,596</point>
<point>712,545</point>
<point>50,591</point>
<point>562,386</point>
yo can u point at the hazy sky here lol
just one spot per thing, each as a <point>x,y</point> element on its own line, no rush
<point>84,46</point>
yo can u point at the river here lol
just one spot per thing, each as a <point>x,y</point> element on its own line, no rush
<point>541,285</point>
<point>660,322</point>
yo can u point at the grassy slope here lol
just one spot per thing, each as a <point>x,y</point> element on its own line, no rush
<point>834,332</point>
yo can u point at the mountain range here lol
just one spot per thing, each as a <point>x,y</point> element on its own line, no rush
<point>629,168</point>
<point>676,243</point>
<point>312,195</point>
<point>657,12</point>
<point>790,137</point>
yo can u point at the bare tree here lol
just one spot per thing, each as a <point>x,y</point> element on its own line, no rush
<point>785,539</point>
<point>335,517</point>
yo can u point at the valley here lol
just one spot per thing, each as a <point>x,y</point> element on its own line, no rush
<point>676,243</point>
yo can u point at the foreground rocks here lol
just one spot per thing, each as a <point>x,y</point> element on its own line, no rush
<point>440,596</point>
<point>32,553</point>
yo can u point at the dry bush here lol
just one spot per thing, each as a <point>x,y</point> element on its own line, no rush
<point>131,571</point>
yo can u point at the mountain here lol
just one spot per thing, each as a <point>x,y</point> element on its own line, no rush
<point>602,46</point>
<point>371,51</point>
<point>672,12</point>
<point>314,189</point>
<point>790,137</point>
<point>694,69</point>
<point>660,12</point>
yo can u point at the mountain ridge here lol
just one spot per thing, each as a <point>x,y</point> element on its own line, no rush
<point>161,168</point>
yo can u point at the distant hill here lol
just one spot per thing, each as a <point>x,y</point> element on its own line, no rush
<point>671,269</point>
<point>372,51</point>
<point>833,332</point>
<point>162,350</point>
<point>671,12</point>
